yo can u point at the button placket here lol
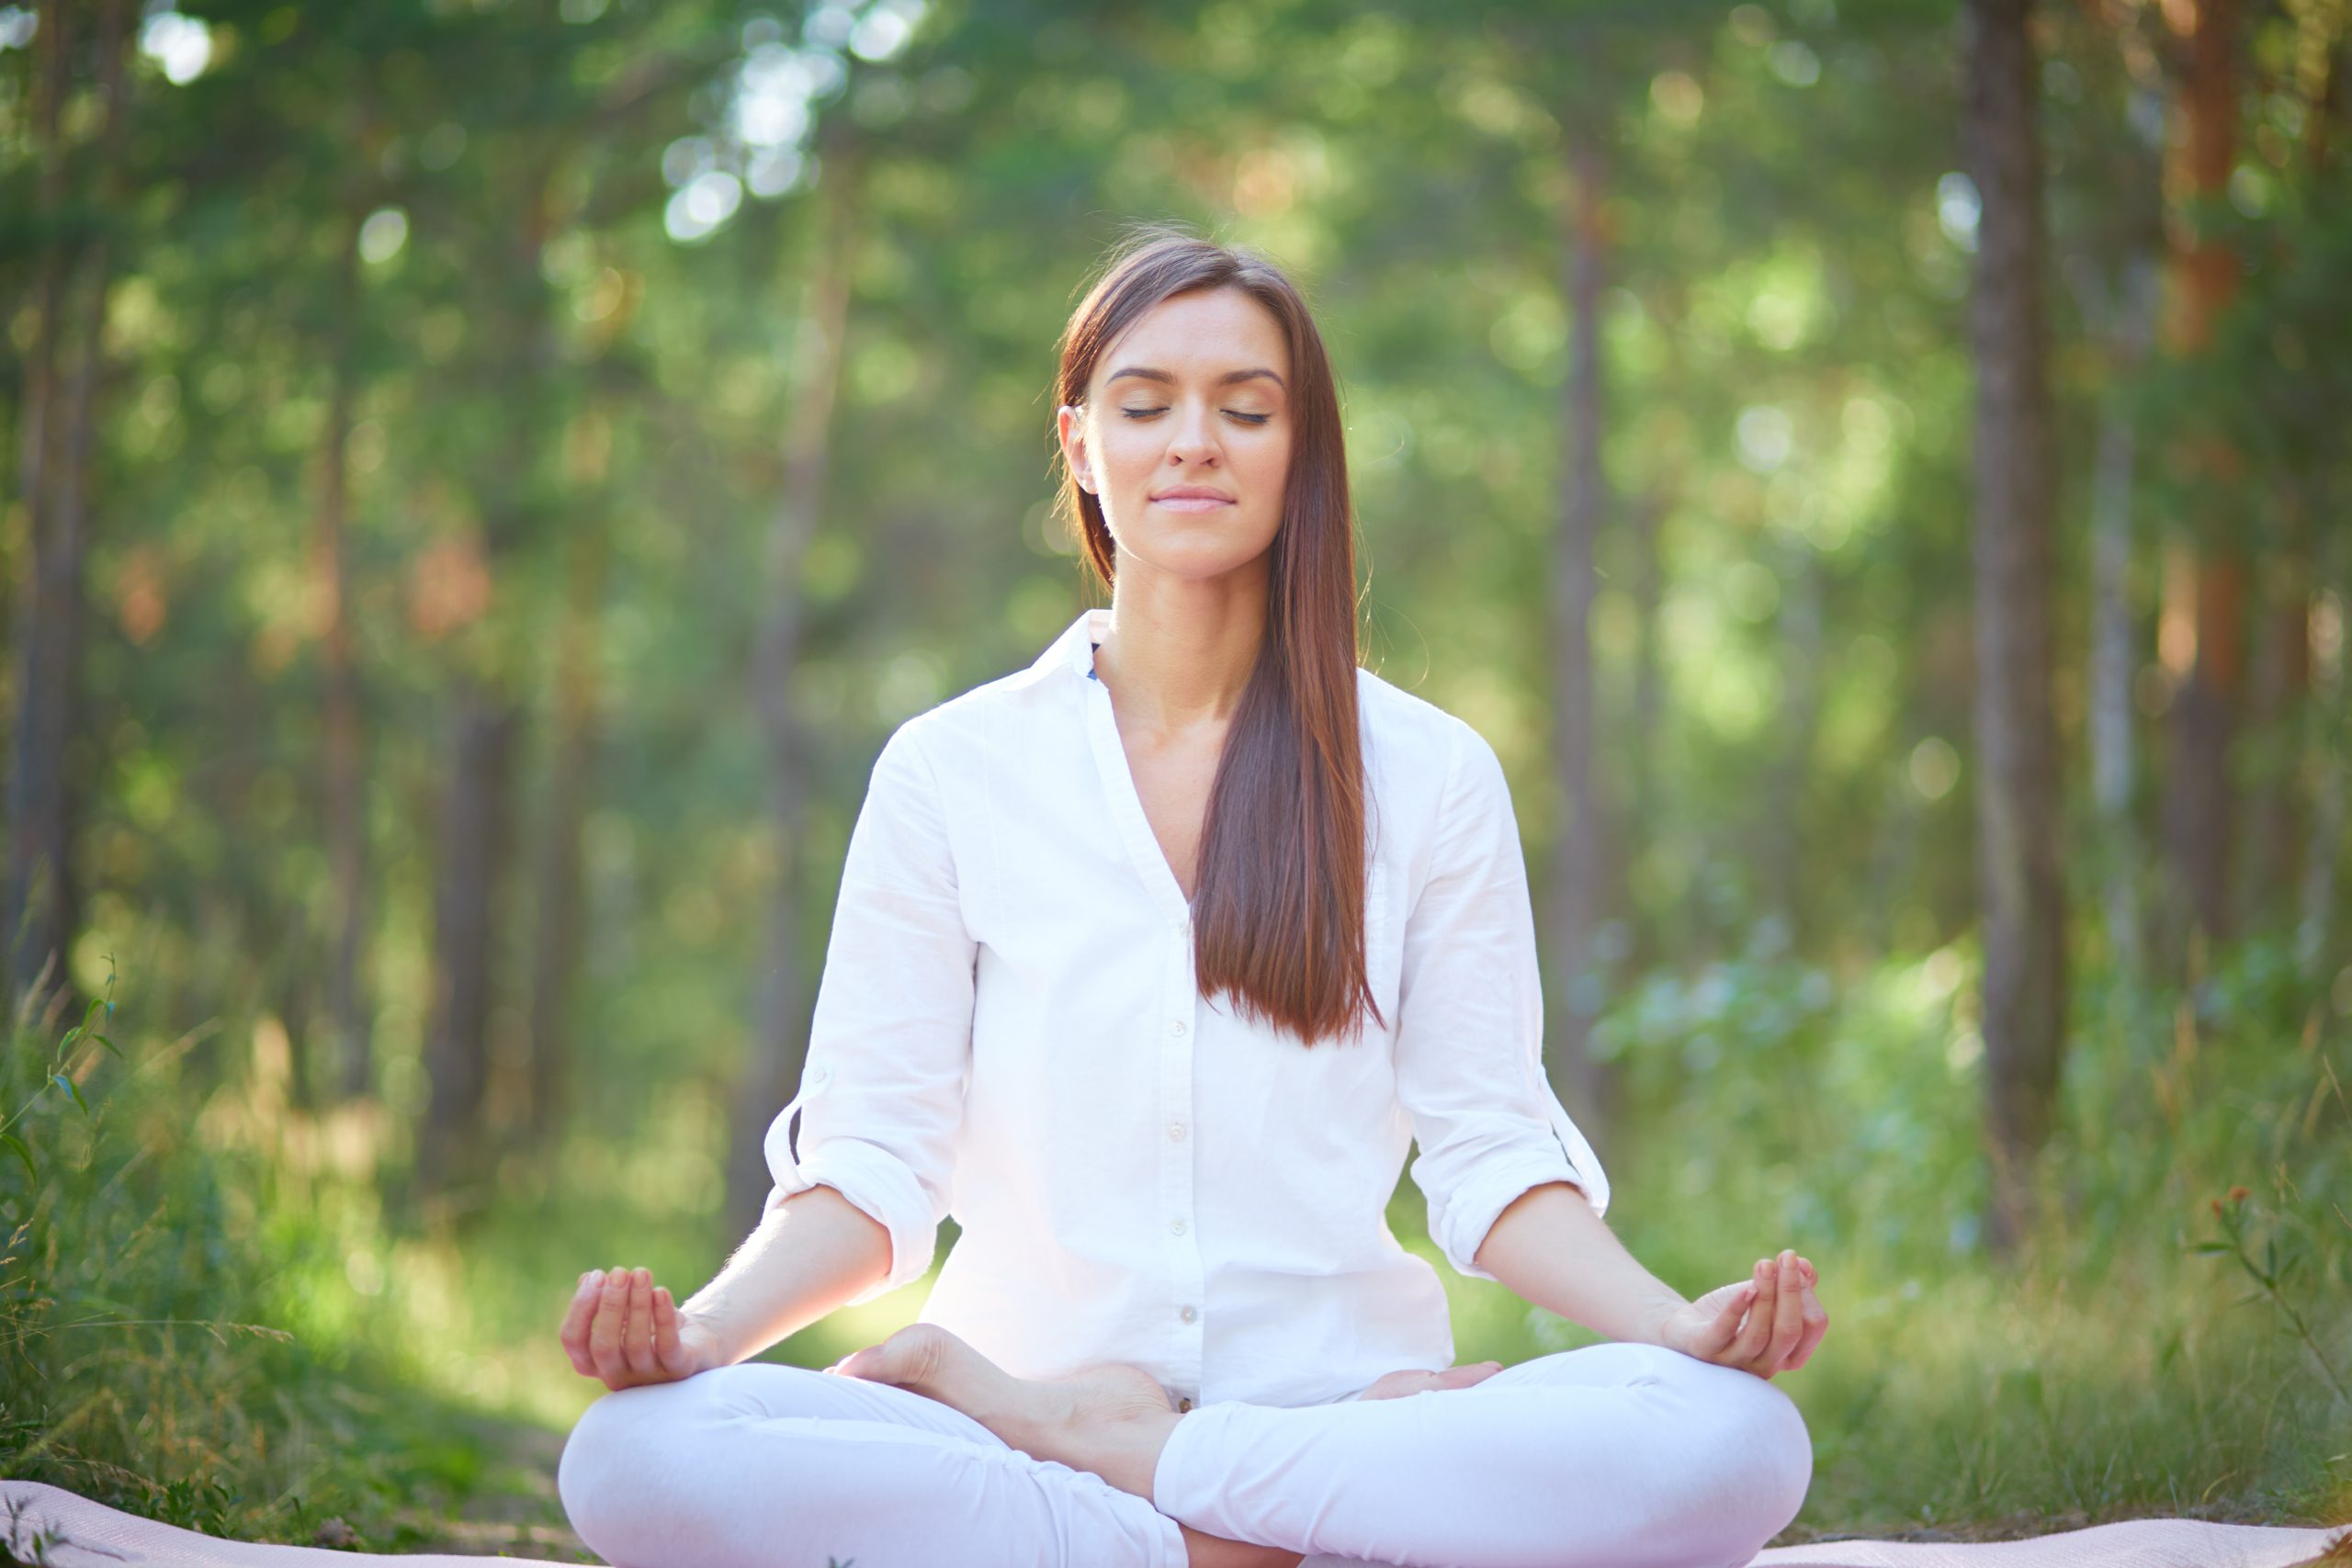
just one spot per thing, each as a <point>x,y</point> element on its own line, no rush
<point>1186,1277</point>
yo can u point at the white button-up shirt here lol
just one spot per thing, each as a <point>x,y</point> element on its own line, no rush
<point>1008,1031</point>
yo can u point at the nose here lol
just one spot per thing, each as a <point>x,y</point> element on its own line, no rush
<point>1192,439</point>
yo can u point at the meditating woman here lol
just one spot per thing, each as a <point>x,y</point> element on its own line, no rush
<point>1149,960</point>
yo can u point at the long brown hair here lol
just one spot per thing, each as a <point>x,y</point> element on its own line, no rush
<point>1279,898</point>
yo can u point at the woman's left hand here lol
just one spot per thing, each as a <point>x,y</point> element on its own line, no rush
<point>1783,1320</point>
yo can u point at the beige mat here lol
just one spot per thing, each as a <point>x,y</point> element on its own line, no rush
<point>83,1534</point>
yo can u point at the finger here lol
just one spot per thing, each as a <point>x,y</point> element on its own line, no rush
<point>1787,1312</point>
<point>605,1332</point>
<point>1816,1324</point>
<point>1723,1327</point>
<point>575,1333</point>
<point>637,1330</point>
<point>1747,1349</point>
<point>666,1349</point>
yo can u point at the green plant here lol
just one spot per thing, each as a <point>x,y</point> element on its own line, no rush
<point>2271,1274</point>
<point>61,1072</point>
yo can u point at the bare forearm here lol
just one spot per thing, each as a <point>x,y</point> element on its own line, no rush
<point>808,1255</point>
<point>1550,1249</point>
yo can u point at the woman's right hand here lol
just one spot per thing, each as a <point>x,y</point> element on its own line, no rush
<point>624,1328</point>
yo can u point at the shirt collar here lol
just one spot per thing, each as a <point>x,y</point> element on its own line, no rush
<point>1075,647</point>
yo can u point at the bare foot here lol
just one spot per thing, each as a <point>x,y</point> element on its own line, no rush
<point>1111,1419</point>
<point>1410,1380</point>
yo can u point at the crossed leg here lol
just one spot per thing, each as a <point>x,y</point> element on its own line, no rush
<point>765,1466</point>
<point>1614,1456</point>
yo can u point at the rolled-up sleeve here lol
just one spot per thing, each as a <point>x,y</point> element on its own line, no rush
<point>1470,1024</point>
<point>881,1096</point>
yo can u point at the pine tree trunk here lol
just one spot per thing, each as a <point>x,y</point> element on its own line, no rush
<point>2020,876</point>
<point>2114,654</point>
<point>555,958</point>
<point>1650,944</point>
<point>467,919</point>
<point>2328,720</point>
<point>344,777</point>
<point>2277,690</point>
<point>39,906</point>
<point>1578,869</point>
<point>454,1147</point>
<point>2200,813</point>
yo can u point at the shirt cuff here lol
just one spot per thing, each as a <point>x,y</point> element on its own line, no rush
<point>879,1184</point>
<point>1472,1211</point>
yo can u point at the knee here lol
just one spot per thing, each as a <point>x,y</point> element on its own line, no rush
<point>602,1476</point>
<point>1762,1457</point>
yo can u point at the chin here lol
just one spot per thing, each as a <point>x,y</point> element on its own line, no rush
<point>1199,558</point>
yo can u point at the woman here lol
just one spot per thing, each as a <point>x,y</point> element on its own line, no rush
<point>1149,960</point>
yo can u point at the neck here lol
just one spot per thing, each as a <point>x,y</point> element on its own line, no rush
<point>1179,652</point>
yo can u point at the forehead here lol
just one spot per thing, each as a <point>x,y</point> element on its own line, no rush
<point>1202,333</point>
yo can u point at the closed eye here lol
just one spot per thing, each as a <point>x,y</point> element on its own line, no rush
<point>1229,413</point>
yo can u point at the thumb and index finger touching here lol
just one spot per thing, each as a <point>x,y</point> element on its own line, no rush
<point>622,1327</point>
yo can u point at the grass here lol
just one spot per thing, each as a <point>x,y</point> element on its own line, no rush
<point>209,1317</point>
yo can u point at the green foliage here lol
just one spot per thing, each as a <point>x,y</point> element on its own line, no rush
<point>140,1362</point>
<point>472,229</point>
<point>2272,1277</point>
<point>2102,1374</point>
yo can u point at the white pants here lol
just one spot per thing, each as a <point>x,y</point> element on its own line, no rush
<point>1614,1456</point>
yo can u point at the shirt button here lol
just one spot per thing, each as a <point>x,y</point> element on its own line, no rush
<point>1175,1227</point>
<point>1188,1315</point>
<point>1176,1130</point>
<point>1176,1027</point>
<point>1183,1405</point>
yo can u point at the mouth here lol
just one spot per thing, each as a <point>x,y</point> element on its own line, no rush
<point>1179,503</point>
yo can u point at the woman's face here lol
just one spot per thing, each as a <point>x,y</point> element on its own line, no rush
<point>1193,396</point>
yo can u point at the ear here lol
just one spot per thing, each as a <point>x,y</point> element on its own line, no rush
<point>1069,421</point>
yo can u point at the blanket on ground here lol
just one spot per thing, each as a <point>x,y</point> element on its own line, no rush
<point>52,1526</point>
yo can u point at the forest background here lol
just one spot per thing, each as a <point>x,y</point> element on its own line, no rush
<point>484,478</point>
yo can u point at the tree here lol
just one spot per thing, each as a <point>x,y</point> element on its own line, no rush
<point>38,901</point>
<point>2021,879</point>
<point>2201,808</point>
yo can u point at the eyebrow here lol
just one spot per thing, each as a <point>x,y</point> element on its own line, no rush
<point>1231,377</point>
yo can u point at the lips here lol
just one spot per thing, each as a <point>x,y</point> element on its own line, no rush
<point>1190,497</point>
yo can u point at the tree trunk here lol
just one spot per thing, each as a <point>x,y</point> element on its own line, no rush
<point>555,958</point>
<point>779,1039</point>
<point>2278,685</point>
<point>344,777</point>
<point>2328,720</point>
<point>1801,665</point>
<point>38,909</point>
<point>454,1146</point>
<point>2022,886</point>
<point>468,917</point>
<point>2200,811</point>
<point>1650,944</point>
<point>1578,869</point>
<point>2114,654</point>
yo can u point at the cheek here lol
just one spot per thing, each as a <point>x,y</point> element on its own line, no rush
<point>1267,464</point>
<point>1274,458</point>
